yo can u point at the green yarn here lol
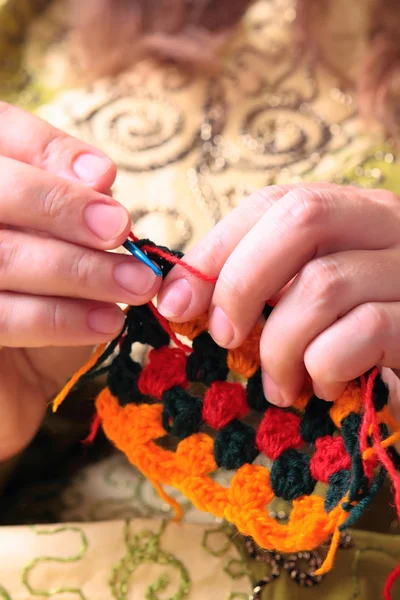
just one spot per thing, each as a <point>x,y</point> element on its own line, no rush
<point>235,445</point>
<point>181,414</point>
<point>291,476</point>
<point>338,483</point>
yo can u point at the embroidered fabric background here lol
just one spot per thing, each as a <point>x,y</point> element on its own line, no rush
<point>188,149</point>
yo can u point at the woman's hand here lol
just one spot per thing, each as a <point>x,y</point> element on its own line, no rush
<point>330,256</point>
<point>58,288</point>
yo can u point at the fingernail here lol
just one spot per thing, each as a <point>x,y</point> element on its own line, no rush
<point>90,167</point>
<point>135,278</point>
<point>175,299</point>
<point>106,221</point>
<point>272,392</point>
<point>108,321</point>
<point>329,392</point>
<point>221,327</point>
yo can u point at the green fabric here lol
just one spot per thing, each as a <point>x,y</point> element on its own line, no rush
<point>359,572</point>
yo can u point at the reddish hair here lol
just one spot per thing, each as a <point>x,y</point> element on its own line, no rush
<point>112,34</point>
<point>377,79</point>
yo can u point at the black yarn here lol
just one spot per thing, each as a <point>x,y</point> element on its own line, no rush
<point>291,475</point>
<point>208,362</point>
<point>95,371</point>
<point>181,415</point>
<point>380,394</point>
<point>144,328</point>
<point>255,393</point>
<point>235,445</point>
<point>338,484</point>
<point>394,457</point>
<point>122,380</point>
<point>350,433</point>
<point>316,421</point>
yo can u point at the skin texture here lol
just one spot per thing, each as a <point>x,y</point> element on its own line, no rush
<point>58,288</point>
<point>329,257</point>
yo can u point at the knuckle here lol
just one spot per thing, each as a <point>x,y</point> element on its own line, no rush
<point>5,317</point>
<point>234,285</point>
<point>48,319</point>
<point>374,320</point>
<point>302,208</point>
<point>322,280</point>
<point>53,146</point>
<point>55,200</point>
<point>8,251</point>
<point>209,253</point>
<point>55,318</point>
<point>82,268</point>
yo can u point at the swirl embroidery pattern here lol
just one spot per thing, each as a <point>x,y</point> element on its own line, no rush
<point>189,147</point>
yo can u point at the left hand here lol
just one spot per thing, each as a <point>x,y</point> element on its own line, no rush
<point>330,255</point>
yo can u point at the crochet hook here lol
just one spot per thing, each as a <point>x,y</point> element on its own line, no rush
<point>130,246</point>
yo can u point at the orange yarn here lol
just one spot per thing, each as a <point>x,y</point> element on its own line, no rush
<point>59,399</point>
<point>133,428</point>
<point>390,441</point>
<point>192,328</point>
<point>245,360</point>
<point>169,500</point>
<point>349,402</point>
<point>231,409</point>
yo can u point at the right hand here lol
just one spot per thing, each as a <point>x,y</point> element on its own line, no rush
<point>58,288</point>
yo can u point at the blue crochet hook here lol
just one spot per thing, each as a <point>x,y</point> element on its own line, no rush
<point>130,246</point>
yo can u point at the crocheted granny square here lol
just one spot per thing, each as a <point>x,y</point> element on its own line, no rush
<point>209,403</point>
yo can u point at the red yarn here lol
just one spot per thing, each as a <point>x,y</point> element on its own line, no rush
<point>370,418</point>
<point>174,260</point>
<point>278,431</point>
<point>224,402</point>
<point>390,581</point>
<point>330,456</point>
<point>166,326</point>
<point>166,368</point>
<point>364,430</point>
<point>94,429</point>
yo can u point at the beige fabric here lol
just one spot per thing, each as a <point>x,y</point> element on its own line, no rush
<point>80,560</point>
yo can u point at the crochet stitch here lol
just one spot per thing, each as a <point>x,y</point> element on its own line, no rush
<point>211,402</point>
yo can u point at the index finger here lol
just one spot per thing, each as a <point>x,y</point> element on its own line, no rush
<point>303,225</point>
<point>184,297</point>
<point>27,138</point>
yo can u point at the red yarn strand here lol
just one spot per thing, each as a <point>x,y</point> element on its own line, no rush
<point>380,452</point>
<point>165,325</point>
<point>390,581</point>
<point>94,429</point>
<point>174,260</point>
